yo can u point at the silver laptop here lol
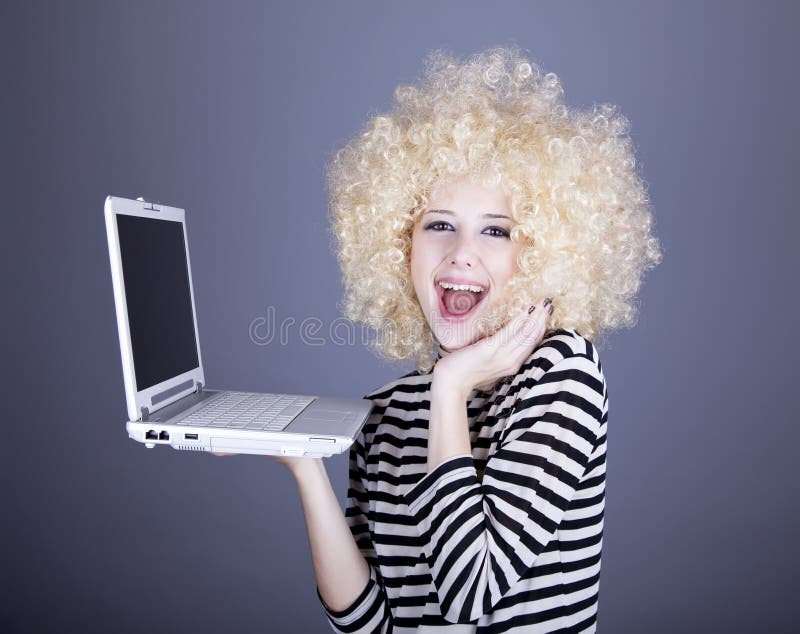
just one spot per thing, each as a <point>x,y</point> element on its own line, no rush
<point>168,402</point>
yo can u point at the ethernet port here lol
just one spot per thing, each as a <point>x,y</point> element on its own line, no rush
<point>164,435</point>
<point>151,434</point>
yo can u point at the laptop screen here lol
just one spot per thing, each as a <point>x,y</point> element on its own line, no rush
<point>156,277</point>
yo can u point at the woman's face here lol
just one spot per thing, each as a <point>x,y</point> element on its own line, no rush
<point>461,258</point>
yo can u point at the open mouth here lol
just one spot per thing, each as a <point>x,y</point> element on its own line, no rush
<point>458,300</point>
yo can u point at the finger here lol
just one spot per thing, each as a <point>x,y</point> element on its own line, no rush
<point>521,323</point>
<point>542,311</point>
<point>515,331</point>
<point>536,323</point>
<point>509,334</point>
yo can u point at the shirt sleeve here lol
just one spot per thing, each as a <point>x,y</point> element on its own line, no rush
<point>480,538</point>
<point>370,611</point>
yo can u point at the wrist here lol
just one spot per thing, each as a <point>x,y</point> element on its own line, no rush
<point>303,469</point>
<point>447,385</point>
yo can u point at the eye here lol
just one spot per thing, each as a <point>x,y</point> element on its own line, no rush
<point>497,232</point>
<point>439,225</point>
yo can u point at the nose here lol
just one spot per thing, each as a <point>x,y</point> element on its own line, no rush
<point>463,253</point>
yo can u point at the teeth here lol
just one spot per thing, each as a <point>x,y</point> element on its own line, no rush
<point>462,287</point>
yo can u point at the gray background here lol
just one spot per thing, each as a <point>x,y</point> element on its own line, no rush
<point>231,111</point>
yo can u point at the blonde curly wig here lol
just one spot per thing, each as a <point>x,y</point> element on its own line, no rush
<point>579,207</point>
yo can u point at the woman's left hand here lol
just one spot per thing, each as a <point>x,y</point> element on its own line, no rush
<point>496,356</point>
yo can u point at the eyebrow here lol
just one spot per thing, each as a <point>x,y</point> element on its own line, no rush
<point>452,213</point>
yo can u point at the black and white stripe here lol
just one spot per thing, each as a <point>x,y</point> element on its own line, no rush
<point>507,539</point>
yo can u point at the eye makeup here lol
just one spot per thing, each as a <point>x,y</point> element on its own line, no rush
<point>500,231</point>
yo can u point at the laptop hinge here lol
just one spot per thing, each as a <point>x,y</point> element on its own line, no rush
<point>160,397</point>
<point>199,389</point>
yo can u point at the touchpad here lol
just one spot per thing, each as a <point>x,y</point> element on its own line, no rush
<point>322,420</point>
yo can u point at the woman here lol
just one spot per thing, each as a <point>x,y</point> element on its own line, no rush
<point>491,234</point>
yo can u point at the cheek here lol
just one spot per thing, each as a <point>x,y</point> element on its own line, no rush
<point>418,265</point>
<point>422,244</point>
<point>506,265</point>
<point>414,256</point>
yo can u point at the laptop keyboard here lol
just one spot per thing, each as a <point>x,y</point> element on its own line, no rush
<point>248,410</point>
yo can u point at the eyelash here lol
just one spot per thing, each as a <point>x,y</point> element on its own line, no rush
<point>503,232</point>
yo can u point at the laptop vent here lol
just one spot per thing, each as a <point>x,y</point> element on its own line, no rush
<point>190,447</point>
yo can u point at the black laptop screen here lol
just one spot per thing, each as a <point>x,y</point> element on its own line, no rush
<point>156,277</point>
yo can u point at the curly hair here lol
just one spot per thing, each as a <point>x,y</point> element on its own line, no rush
<point>579,207</point>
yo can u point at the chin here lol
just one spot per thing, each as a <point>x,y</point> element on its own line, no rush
<point>459,335</point>
<point>450,344</point>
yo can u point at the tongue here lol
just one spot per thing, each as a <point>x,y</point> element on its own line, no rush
<point>459,302</point>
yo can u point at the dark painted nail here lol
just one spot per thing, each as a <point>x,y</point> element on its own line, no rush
<point>530,310</point>
<point>548,301</point>
<point>550,309</point>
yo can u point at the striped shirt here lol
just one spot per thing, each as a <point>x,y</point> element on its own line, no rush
<point>507,539</point>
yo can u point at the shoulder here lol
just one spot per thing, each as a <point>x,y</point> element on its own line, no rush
<point>563,353</point>
<point>564,343</point>
<point>562,385</point>
<point>558,345</point>
<point>406,386</point>
<point>398,408</point>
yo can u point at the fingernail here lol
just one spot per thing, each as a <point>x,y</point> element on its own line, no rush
<point>548,301</point>
<point>550,309</point>
<point>530,310</point>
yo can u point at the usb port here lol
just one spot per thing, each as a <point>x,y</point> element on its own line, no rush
<point>190,436</point>
<point>164,435</point>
